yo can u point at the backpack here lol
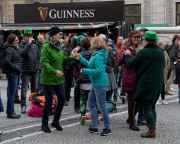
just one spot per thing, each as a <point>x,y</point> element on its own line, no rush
<point>2,58</point>
<point>38,99</point>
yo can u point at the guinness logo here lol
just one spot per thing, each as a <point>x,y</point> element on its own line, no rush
<point>43,12</point>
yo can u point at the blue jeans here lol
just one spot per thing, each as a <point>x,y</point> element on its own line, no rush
<point>11,92</point>
<point>96,98</point>
<point>26,78</point>
<point>49,91</point>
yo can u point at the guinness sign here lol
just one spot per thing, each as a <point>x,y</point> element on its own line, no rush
<point>106,11</point>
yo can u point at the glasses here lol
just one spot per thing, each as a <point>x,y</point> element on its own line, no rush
<point>136,37</point>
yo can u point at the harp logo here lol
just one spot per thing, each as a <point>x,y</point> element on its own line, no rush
<point>43,11</point>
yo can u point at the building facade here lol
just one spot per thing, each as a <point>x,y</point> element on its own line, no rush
<point>136,11</point>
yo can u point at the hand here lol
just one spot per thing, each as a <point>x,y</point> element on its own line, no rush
<point>31,40</point>
<point>75,50</point>
<point>127,52</point>
<point>59,73</point>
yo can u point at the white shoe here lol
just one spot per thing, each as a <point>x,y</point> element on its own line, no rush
<point>164,102</point>
<point>159,102</point>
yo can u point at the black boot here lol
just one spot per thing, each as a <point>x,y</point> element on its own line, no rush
<point>45,128</point>
<point>57,126</point>
<point>134,127</point>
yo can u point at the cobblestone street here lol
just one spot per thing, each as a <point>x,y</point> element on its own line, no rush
<point>26,130</point>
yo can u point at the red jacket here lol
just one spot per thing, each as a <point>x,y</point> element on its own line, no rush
<point>128,76</point>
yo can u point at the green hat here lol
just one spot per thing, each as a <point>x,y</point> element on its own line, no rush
<point>27,32</point>
<point>79,39</point>
<point>151,36</point>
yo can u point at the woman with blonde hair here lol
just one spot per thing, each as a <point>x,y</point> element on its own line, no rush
<point>96,69</point>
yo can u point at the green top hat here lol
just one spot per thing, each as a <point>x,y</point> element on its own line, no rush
<point>151,36</point>
<point>27,32</point>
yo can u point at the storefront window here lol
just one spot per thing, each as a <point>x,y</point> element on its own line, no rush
<point>133,13</point>
<point>178,13</point>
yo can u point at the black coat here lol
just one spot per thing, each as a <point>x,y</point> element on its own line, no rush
<point>30,57</point>
<point>12,59</point>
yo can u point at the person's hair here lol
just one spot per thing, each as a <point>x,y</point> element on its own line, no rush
<point>129,40</point>
<point>86,42</point>
<point>143,30</point>
<point>11,38</point>
<point>97,43</point>
<point>174,38</point>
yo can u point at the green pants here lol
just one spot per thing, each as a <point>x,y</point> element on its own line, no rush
<point>83,101</point>
<point>149,112</point>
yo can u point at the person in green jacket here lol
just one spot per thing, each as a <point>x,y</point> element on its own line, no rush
<point>52,77</point>
<point>149,67</point>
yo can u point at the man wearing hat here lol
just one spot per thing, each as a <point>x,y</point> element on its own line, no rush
<point>52,77</point>
<point>30,65</point>
<point>149,67</point>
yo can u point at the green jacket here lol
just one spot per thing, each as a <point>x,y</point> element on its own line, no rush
<point>52,59</point>
<point>149,67</point>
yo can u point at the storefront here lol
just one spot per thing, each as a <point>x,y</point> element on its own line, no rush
<point>68,16</point>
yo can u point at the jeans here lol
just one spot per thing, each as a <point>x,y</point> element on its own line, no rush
<point>141,117</point>
<point>96,98</point>
<point>26,78</point>
<point>49,90</point>
<point>16,95</point>
<point>11,91</point>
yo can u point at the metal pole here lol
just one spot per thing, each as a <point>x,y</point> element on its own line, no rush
<point>119,29</point>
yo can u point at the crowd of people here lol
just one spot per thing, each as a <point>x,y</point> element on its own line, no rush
<point>141,65</point>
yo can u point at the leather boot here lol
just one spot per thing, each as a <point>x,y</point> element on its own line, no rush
<point>151,133</point>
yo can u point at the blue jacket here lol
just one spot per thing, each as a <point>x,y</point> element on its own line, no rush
<point>96,68</point>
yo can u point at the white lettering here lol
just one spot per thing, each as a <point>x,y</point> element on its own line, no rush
<point>92,12</point>
<point>83,13</point>
<point>52,13</point>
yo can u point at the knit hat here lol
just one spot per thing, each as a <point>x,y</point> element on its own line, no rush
<point>54,30</point>
<point>151,36</point>
<point>79,39</point>
<point>27,32</point>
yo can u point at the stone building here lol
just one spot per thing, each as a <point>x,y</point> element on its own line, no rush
<point>137,11</point>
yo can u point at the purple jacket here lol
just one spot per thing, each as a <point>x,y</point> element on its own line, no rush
<point>128,76</point>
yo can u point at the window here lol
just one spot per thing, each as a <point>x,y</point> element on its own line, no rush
<point>133,13</point>
<point>178,13</point>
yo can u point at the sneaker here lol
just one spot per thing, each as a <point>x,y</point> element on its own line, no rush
<point>106,132</point>
<point>168,93</point>
<point>164,102</point>
<point>13,116</point>
<point>23,109</point>
<point>93,130</point>
<point>83,120</point>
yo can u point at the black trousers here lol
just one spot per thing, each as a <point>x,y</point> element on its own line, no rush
<point>49,91</point>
